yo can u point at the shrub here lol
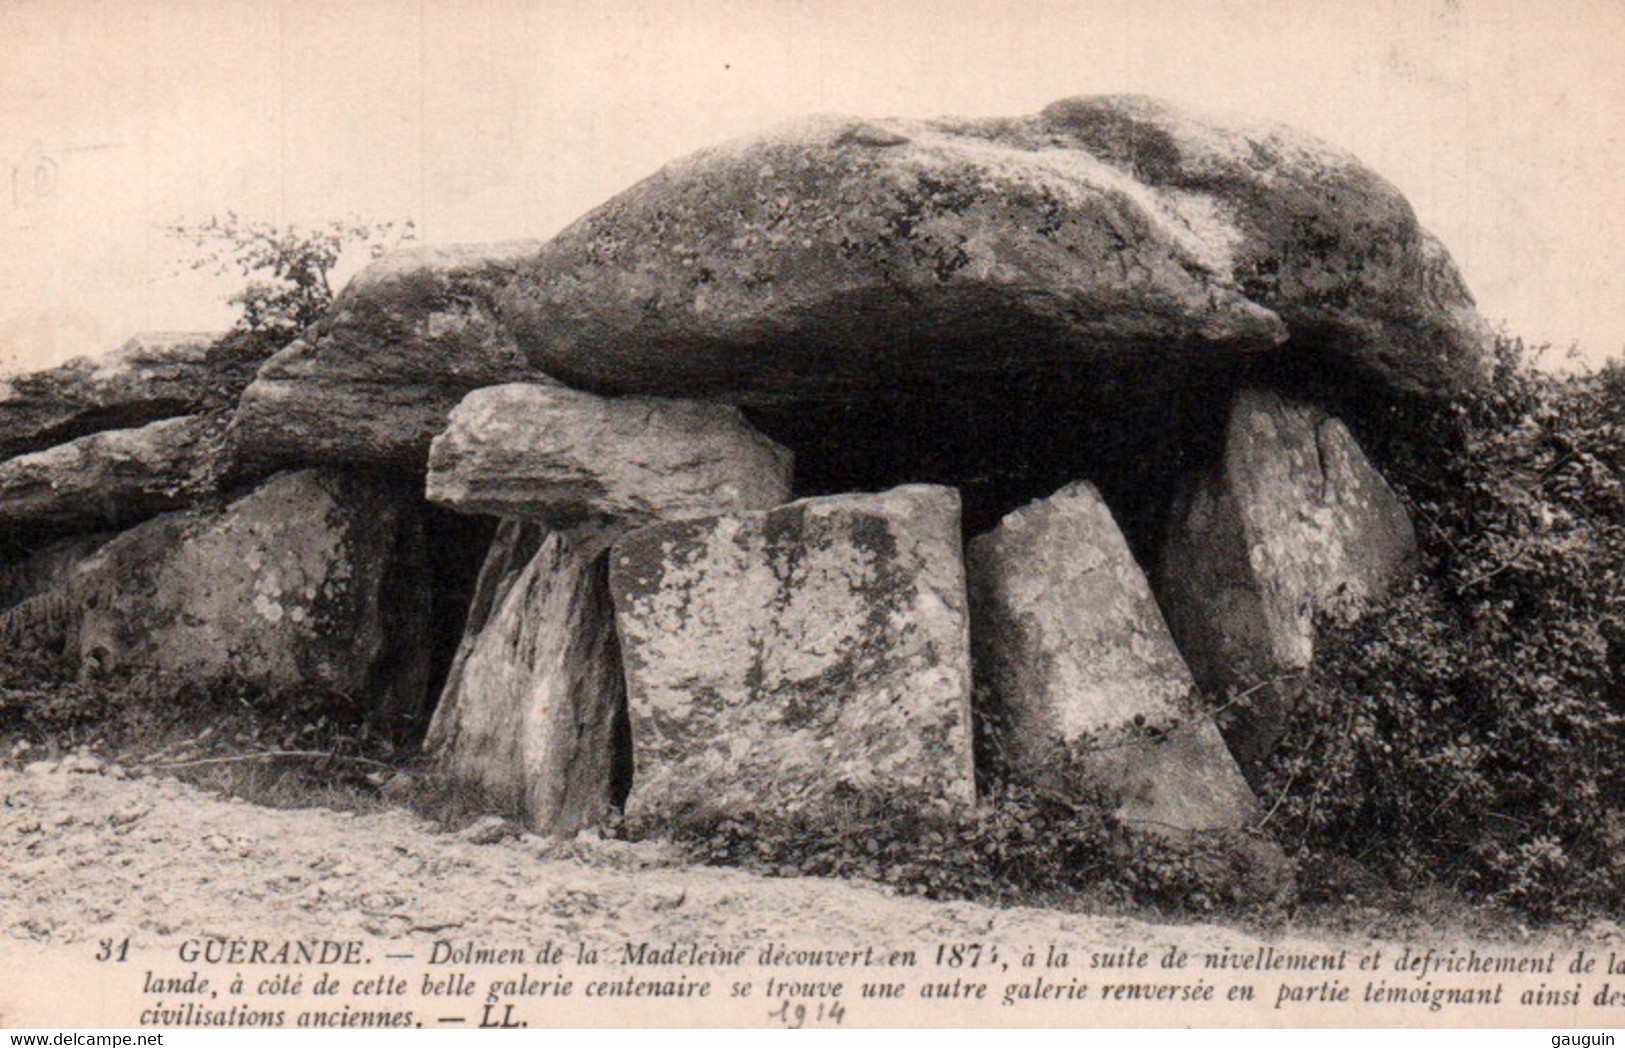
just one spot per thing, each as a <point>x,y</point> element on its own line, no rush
<point>288,268</point>
<point>1469,732</point>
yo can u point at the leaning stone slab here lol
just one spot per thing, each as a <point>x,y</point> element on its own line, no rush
<point>533,716</point>
<point>314,579</point>
<point>777,660</point>
<point>558,455</point>
<point>1078,661</point>
<point>1294,522</point>
<point>106,480</point>
<point>152,376</point>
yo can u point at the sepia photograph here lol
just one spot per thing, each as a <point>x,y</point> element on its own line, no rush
<point>524,514</point>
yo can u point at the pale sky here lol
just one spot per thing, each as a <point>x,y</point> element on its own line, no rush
<point>499,119</point>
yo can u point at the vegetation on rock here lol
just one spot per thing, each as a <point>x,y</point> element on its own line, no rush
<point>1470,732</point>
<point>288,268</point>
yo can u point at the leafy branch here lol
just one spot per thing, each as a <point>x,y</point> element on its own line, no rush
<point>289,268</point>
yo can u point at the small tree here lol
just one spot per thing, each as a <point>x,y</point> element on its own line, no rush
<point>288,267</point>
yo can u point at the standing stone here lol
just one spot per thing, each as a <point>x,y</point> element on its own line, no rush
<point>535,700</point>
<point>546,452</point>
<point>532,718</point>
<point>314,579</point>
<point>511,549</point>
<point>1079,660</point>
<point>778,660</point>
<point>106,480</point>
<point>1293,523</point>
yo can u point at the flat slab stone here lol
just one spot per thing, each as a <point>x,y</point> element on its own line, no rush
<point>1078,660</point>
<point>776,661</point>
<point>152,376</point>
<point>113,479</point>
<point>558,455</point>
<point>532,720</point>
<point>1294,522</point>
<point>1115,247</point>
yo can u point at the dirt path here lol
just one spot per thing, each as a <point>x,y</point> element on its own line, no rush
<point>90,857</point>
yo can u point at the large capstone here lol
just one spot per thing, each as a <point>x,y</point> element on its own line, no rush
<point>778,661</point>
<point>1292,524</point>
<point>152,376</point>
<point>532,721</point>
<point>113,479</point>
<point>558,455</point>
<point>312,580</point>
<point>1002,305</point>
<point>1083,677</point>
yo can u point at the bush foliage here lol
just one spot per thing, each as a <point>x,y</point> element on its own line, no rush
<point>1469,732</point>
<point>288,269</point>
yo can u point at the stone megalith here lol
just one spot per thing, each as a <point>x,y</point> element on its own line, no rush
<point>152,376</point>
<point>313,579</point>
<point>555,454</point>
<point>533,715</point>
<point>902,283</point>
<point>1080,665</point>
<point>834,255</point>
<point>113,479</point>
<point>373,381</point>
<point>775,661</point>
<point>1292,523</point>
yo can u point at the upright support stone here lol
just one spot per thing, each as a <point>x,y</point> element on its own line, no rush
<point>535,700</point>
<point>1080,664</point>
<point>1294,522</point>
<point>533,717</point>
<point>778,660</point>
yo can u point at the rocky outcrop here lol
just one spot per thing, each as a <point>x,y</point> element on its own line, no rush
<point>1081,670</point>
<point>151,377</point>
<point>1293,523</point>
<point>553,454</point>
<point>776,661</point>
<point>1113,249</point>
<point>107,480</point>
<point>374,381</point>
<point>311,580</point>
<point>533,717</point>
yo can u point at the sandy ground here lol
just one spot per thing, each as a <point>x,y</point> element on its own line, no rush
<point>88,857</point>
